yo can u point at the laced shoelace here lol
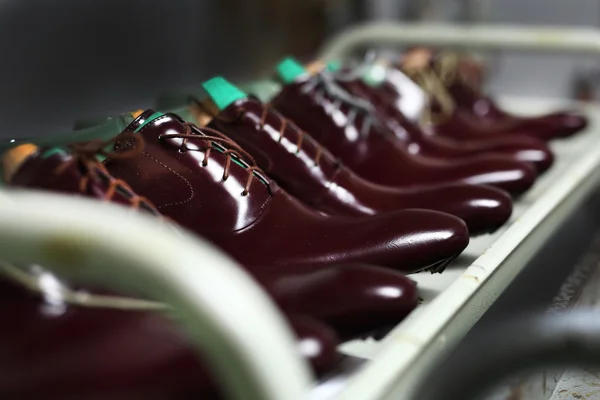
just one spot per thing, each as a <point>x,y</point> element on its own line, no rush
<point>436,80</point>
<point>448,69</point>
<point>285,123</point>
<point>229,148</point>
<point>85,155</point>
<point>430,82</point>
<point>324,85</point>
<point>266,110</point>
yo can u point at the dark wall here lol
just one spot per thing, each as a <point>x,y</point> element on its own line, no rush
<point>67,59</point>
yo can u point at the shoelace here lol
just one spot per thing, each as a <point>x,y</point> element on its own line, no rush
<point>229,148</point>
<point>266,110</point>
<point>85,154</point>
<point>324,85</point>
<point>285,123</point>
<point>436,80</point>
<point>448,68</point>
<point>429,81</point>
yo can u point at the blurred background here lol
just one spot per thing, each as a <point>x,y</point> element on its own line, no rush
<point>67,59</point>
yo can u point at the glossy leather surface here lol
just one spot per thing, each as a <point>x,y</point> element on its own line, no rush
<point>451,79</point>
<point>53,349</point>
<point>386,99</point>
<point>377,154</point>
<point>353,299</point>
<point>310,173</point>
<point>62,173</point>
<point>360,304</point>
<point>267,228</point>
<point>485,111</point>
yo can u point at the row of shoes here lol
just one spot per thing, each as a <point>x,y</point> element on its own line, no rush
<point>325,191</point>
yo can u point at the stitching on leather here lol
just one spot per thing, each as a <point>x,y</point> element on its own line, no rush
<point>258,217</point>
<point>262,208</point>
<point>178,175</point>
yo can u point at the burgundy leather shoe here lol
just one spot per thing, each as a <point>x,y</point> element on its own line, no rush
<point>353,299</point>
<point>386,97</point>
<point>559,124</point>
<point>360,298</point>
<point>358,307</point>
<point>348,127</point>
<point>310,173</point>
<point>203,183</point>
<point>106,346</point>
<point>57,170</point>
<point>469,115</point>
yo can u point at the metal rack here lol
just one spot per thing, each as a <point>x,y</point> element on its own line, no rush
<point>88,241</point>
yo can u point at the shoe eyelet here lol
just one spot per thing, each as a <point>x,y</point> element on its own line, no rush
<point>183,150</point>
<point>244,193</point>
<point>204,163</point>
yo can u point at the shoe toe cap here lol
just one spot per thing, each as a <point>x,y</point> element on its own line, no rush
<point>513,176</point>
<point>435,238</point>
<point>374,298</point>
<point>559,124</point>
<point>541,158</point>
<point>487,209</point>
<point>316,342</point>
<point>570,122</point>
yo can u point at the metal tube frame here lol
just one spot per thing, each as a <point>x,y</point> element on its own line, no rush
<point>227,317</point>
<point>482,36</point>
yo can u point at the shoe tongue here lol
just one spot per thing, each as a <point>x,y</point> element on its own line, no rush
<point>289,70</point>
<point>222,92</point>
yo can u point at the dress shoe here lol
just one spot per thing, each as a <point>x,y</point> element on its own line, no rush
<point>559,124</point>
<point>310,173</point>
<point>360,298</point>
<point>348,127</point>
<point>463,112</point>
<point>74,344</point>
<point>355,300</point>
<point>202,180</point>
<point>204,183</point>
<point>55,169</point>
<point>386,97</point>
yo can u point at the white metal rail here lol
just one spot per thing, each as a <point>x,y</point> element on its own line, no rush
<point>223,311</point>
<point>555,39</point>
